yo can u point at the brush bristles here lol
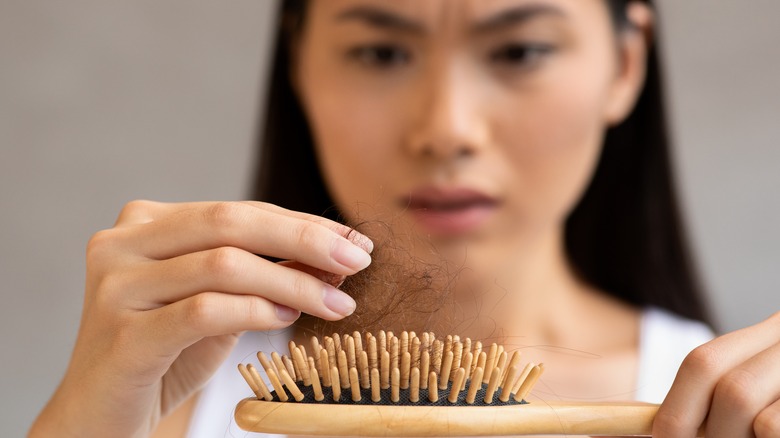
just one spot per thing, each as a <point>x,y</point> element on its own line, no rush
<point>386,369</point>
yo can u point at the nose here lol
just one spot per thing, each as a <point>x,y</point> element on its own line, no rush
<point>449,124</point>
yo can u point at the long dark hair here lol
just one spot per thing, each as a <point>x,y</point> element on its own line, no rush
<point>625,236</point>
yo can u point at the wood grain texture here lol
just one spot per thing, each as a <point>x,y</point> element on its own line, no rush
<point>609,418</point>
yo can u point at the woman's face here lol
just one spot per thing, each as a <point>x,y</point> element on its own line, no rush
<point>473,123</point>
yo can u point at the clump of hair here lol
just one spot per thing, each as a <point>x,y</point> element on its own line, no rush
<point>398,291</point>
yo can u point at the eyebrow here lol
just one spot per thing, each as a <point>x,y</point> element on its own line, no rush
<point>381,18</point>
<point>391,21</point>
<point>517,15</point>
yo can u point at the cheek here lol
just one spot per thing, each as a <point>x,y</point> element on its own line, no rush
<point>354,139</point>
<point>553,143</point>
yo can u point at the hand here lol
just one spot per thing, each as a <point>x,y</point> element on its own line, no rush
<point>167,291</point>
<point>730,385</point>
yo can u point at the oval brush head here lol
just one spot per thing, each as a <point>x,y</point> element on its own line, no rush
<point>385,385</point>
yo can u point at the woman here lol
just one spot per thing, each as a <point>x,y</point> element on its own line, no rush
<point>519,141</point>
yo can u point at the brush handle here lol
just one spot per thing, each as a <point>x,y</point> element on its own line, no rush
<point>553,418</point>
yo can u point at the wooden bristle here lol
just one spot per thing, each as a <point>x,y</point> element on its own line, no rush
<point>457,356</point>
<point>325,367</point>
<point>406,360</point>
<point>259,382</point>
<point>474,385</point>
<point>385,370</point>
<point>337,343</point>
<point>351,352</point>
<point>291,347</point>
<point>446,368</point>
<point>330,348</point>
<point>358,342</point>
<point>277,361</point>
<point>291,386</point>
<point>354,384</point>
<point>268,366</point>
<point>477,351</point>
<point>394,355</point>
<point>506,390</point>
<point>447,344</point>
<point>425,363</point>
<point>414,392</point>
<point>250,380</point>
<point>514,362</point>
<point>521,378</point>
<point>315,352</point>
<point>467,349</point>
<point>436,356</point>
<point>404,343</point>
<point>415,355</point>
<point>290,367</point>
<point>303,352</point>
<point>336,384</point>
<point>277,384</point>
<point>457,382</point>
<point>373,358</point>
<point>495,376</point>
<point>490,364</point>
<point>343,369</point>
<point>467,368</point>
<point>501,365</point>
<point>433,388</point>
<point>375,385</point>
<point>481,361</point>
<point>425,342</point>
<point>302,366</point>
<point>382,341</point>
<point>529,382</point>
<point>364,370</point>
<point>315,381</point>
<point>395,378</point>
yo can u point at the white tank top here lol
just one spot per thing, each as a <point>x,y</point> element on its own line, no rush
<point>665,340</point>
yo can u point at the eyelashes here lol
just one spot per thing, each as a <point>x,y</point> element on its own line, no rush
<point>389,56</point>
<point>522,55</point>
<point>380,56</point>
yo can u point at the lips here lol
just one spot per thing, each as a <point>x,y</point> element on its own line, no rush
<point>450,211</point>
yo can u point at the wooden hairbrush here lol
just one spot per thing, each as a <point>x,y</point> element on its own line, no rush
<point>416,386</point>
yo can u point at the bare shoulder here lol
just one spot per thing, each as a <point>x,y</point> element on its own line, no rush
<point>177,423</point>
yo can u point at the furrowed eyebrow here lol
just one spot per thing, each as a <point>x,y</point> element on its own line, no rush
<point>515,16</point>
<point>381,18</point>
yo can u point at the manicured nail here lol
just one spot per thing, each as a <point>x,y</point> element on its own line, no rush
<point>338,301</point>
<point>361,241</point>
<point>350,256</point>
<point>285,313</point>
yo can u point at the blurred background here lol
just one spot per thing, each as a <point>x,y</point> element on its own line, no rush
<point>102,102</point>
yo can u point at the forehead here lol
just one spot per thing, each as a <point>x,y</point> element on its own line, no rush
<point>435,14</point>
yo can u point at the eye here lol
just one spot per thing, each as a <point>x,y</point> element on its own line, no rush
<point>521,55</point>
<point>380,55</point>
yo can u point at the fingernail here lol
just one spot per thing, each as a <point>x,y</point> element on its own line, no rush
<point>362,241</point>
<point>285,313</point>
<point>350,256</point>
<point>338,301</point>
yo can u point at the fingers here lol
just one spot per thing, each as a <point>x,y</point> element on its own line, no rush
<point>742,393</point>
<point>181,324</point>
<point>767,423</point>
<point>143,211</point>
<point>686,406</point>
<point>234,271</point>
<point>253,229</point>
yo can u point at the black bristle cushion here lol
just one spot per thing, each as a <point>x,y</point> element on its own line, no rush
<point>365,397</point>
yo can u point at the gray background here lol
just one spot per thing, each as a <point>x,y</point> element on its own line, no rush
<point>105,101</point>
